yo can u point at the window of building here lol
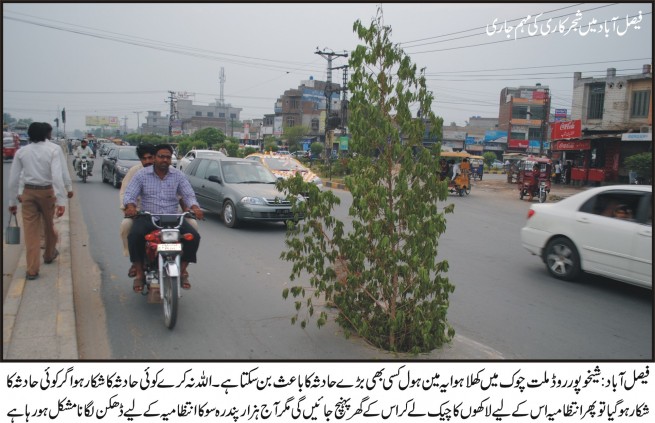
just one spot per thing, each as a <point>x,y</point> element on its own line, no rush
<point>640,104</point>
<point>519,112</point>
<point>294,104</point>
<point>210,114</point>
<point>596,101</point>
<point>534,133</point>
<point>198,113</point>
<point>291,121</point>
<point>233,115</point>
<point>315,124</point>
<point>517,135</point>
<point>221,115</point>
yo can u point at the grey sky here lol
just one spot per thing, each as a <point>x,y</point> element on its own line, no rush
<point>71,57</point>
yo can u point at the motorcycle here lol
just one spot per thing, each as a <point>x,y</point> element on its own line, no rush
<point>83,171</point>
<point>540,191</point>
<point>162,265</point>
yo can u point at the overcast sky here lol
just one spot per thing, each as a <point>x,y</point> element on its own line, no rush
<point>117,59</point>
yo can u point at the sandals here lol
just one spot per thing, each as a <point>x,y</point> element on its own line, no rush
<point>185,281</point>
<point>138,285</point>
<point>132,272</point>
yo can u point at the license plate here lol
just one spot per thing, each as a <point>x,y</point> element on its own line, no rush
<point>282,211</point>
<point>169,247</point>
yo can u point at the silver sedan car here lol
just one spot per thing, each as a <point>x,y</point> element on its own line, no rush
<point>238,190</point>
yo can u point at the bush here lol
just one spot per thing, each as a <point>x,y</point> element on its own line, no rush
<point>641,163</point>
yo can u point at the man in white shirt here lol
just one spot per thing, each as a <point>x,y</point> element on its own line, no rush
<point>43,195</point>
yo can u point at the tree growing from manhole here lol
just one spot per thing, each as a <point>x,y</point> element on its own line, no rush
<point>382,276</point>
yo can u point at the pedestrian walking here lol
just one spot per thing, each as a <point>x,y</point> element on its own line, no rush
<point>44,195</point>
<point>558,172</point>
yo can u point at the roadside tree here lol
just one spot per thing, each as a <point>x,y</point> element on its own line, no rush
<point>383,276</point>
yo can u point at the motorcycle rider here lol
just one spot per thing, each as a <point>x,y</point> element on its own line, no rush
<point>83,150</point>
<point>159,187</point>
<point>534,182</point>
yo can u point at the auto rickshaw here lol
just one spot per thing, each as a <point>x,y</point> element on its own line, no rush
<point>477,167</point>
<point>462,183</point>
<point>534,178</point>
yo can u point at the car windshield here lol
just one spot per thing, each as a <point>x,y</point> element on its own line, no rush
<point>209,153</point>
<point>283,164</point>
<point>247,173</point>
<point>127,154</point>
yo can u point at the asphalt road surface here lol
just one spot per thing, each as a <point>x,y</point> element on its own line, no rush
<point>504,297</point>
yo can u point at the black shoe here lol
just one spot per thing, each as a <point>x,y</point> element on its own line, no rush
<point>31,277</point>
<point>53,257</point>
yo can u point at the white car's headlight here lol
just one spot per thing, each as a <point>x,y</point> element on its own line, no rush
<point>170,236</point>
<point>253,200</point>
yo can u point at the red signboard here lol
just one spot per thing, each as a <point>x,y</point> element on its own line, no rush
<point>572,145</point>
<point>538,95</point>
<point>566,130</point>
<point>517,143</point>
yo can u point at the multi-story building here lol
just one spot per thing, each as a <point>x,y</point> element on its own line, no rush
<point>524,113</point>
<point>155,123</point>
<point>192,117</point>
<point>611,119</point>
<point>477,129</point>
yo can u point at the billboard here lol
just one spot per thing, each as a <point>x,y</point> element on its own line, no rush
<point>494,136</point>
<point>277,125</point>
<point>566,130</point>
<point>102,121</point>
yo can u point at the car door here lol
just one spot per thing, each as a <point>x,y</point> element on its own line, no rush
<point>605,242</point>
<point>642,251</point>
<point>213,190</point>
<point>196,175</point>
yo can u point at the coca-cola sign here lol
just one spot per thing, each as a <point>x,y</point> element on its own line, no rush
<point>572,145</point>
<point>566,130</point>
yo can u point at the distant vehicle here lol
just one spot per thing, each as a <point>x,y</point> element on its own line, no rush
<point>606,230</point>
<point>194,154</point>
<point>497,164</point>
<point>10,145</point>
<point>117,163</point>
<point>300,154</point>
<point>283,153</point>
<point>285,167</point>
<point>238,190</point>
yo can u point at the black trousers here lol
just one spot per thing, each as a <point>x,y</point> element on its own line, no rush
<point>143,226</point>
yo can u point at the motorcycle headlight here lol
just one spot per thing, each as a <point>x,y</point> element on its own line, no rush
<point>253,201</point>
<point>170,236</point>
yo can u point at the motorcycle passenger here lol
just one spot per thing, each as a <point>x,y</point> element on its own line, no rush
<point>83,150</point>
<point>159,187</point>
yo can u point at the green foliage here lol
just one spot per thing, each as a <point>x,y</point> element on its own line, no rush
<point>270,144</point>
<point>382,276</point>
<point>199,145</point>
<point>249,150</point>
<point>294,136</point>
<point>210,136</point>
<point>489,158</point>
<point>317,149</point>
<point>642,163</point>
<point>184,147</point>
<point>232,149</point>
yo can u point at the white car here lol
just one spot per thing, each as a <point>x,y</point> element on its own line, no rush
<point>606,231</point>
<point>193,154</point>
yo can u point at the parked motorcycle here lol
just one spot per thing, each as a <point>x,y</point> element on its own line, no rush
<point>162,265</point>
<point>83,171</point>
<point>540,191</point>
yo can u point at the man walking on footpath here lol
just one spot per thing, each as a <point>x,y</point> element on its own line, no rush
<point>41,167</point>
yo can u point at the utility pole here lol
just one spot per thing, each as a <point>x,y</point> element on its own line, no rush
<point>138,126</point>
<point>124,125</point>
<point>328,95</point>
<point>544,123</point>
<point>171,99</point>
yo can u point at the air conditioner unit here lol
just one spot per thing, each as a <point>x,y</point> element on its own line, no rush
<point>646,129</point>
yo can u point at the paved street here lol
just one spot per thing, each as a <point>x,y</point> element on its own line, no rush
<point>505,304</point>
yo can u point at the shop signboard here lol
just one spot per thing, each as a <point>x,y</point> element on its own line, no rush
<point>637,137</point>
<point>470,140</point>
<point>343,143</point>
<point>517,144</point>
<point>494,136</point>
<point>566,130</point>
<point>111,121</point>
<point>538,95</point>
<point>572,145</point>
<point>277,125</point>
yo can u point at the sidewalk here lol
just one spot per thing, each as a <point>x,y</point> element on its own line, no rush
<point>38,317</point>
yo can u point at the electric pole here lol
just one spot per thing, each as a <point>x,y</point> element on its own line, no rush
<point>138,128</point>
<point>124,125</point>
<point>328,95</point>
<point>171,99</point>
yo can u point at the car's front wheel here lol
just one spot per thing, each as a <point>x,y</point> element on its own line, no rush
<point>230,215</point>
<point>562,259</point>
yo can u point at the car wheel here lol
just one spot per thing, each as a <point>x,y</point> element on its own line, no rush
<point>230,215</point>
<point>562,259</point>
<point>105,179</point>
<point>114,180</point>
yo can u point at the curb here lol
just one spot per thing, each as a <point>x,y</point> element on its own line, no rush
<point>64,337</point>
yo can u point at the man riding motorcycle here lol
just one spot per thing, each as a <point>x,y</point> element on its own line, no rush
<point>83,150</point>
<point>160,186</point>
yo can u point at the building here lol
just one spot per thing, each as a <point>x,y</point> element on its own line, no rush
<point>477,140</point>
<point>611,119</point>
<point>155,124</point>
<point>524,113</point>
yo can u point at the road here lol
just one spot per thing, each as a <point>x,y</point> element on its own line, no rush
<point>504,297</point>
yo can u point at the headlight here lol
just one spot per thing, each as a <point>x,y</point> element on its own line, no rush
<point>318,181</point>
<point>170,236</point>
<point>122,169</point>
<point>253,200</point>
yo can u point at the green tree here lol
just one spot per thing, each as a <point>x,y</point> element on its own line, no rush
<point>7,120</point>
<point>316,148</point>
<point>489,158</point>
<point>210,136</point>
<point>270,144</point>
<point>232,149</point>
<point>294,136</point>
<point>383,276</point>
<point>642,163</point>
<point>184,146</point>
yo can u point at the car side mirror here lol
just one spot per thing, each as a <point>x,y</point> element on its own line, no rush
<point>214,178</point>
